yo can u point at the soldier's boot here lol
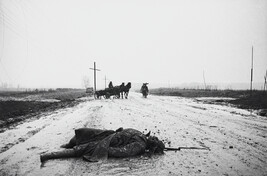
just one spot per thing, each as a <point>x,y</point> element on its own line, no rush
<point>61,154</point>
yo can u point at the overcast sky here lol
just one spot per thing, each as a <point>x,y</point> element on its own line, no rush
<point>53,43</point>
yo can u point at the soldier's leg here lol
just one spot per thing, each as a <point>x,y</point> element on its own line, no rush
<point>68,153</point>
<point>71,144</point>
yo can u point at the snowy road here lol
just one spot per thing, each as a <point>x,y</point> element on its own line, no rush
<point>236,138</point>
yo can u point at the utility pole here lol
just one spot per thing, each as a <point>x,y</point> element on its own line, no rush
<point>95,69</point>
<point>265,83</point>
<point>204,79</point>
<point>251,79</point>
<point>251,73</point>
<point>105,81</point>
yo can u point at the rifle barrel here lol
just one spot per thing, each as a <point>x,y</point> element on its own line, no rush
<point>179,148</point>
<point>175,149</point>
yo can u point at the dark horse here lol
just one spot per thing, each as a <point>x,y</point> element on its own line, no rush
<point>114,91</point>
<point>125,89</point>
<point>98,94</point>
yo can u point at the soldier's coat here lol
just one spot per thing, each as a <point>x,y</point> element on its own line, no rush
<point>95,144</point>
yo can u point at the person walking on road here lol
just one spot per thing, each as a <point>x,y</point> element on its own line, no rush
<point>144,90</point>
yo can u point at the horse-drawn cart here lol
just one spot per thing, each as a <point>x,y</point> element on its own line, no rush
<point>116,92</point>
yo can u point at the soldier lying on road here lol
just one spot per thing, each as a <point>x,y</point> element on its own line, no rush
<point>95,144</point>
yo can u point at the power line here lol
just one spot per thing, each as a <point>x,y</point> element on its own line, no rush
<point>27,43</point>
<point>11,24</point>
<point>6,71</point>
<point>6,11</point>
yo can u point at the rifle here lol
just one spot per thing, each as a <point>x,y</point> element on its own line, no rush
<point>179,148</point>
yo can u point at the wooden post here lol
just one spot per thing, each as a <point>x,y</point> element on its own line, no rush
<point>251,79</point>
<point>95,69</point>
<point>105,82</point>
<point>106,79</point>
<point>95,75</point>
<point>251,73</point>
<point>204,79</point>
<point>265,83</point>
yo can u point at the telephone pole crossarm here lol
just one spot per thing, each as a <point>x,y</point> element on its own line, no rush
<point>94,69</point>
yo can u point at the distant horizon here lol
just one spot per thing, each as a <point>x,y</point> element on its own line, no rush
<point>137,86</point>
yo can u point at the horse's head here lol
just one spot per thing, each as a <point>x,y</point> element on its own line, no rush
<point>129,85</point>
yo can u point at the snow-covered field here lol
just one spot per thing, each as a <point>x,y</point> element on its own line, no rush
<point>236,138</point>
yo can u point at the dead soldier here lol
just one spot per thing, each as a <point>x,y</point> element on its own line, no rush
<point>95,144</point>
